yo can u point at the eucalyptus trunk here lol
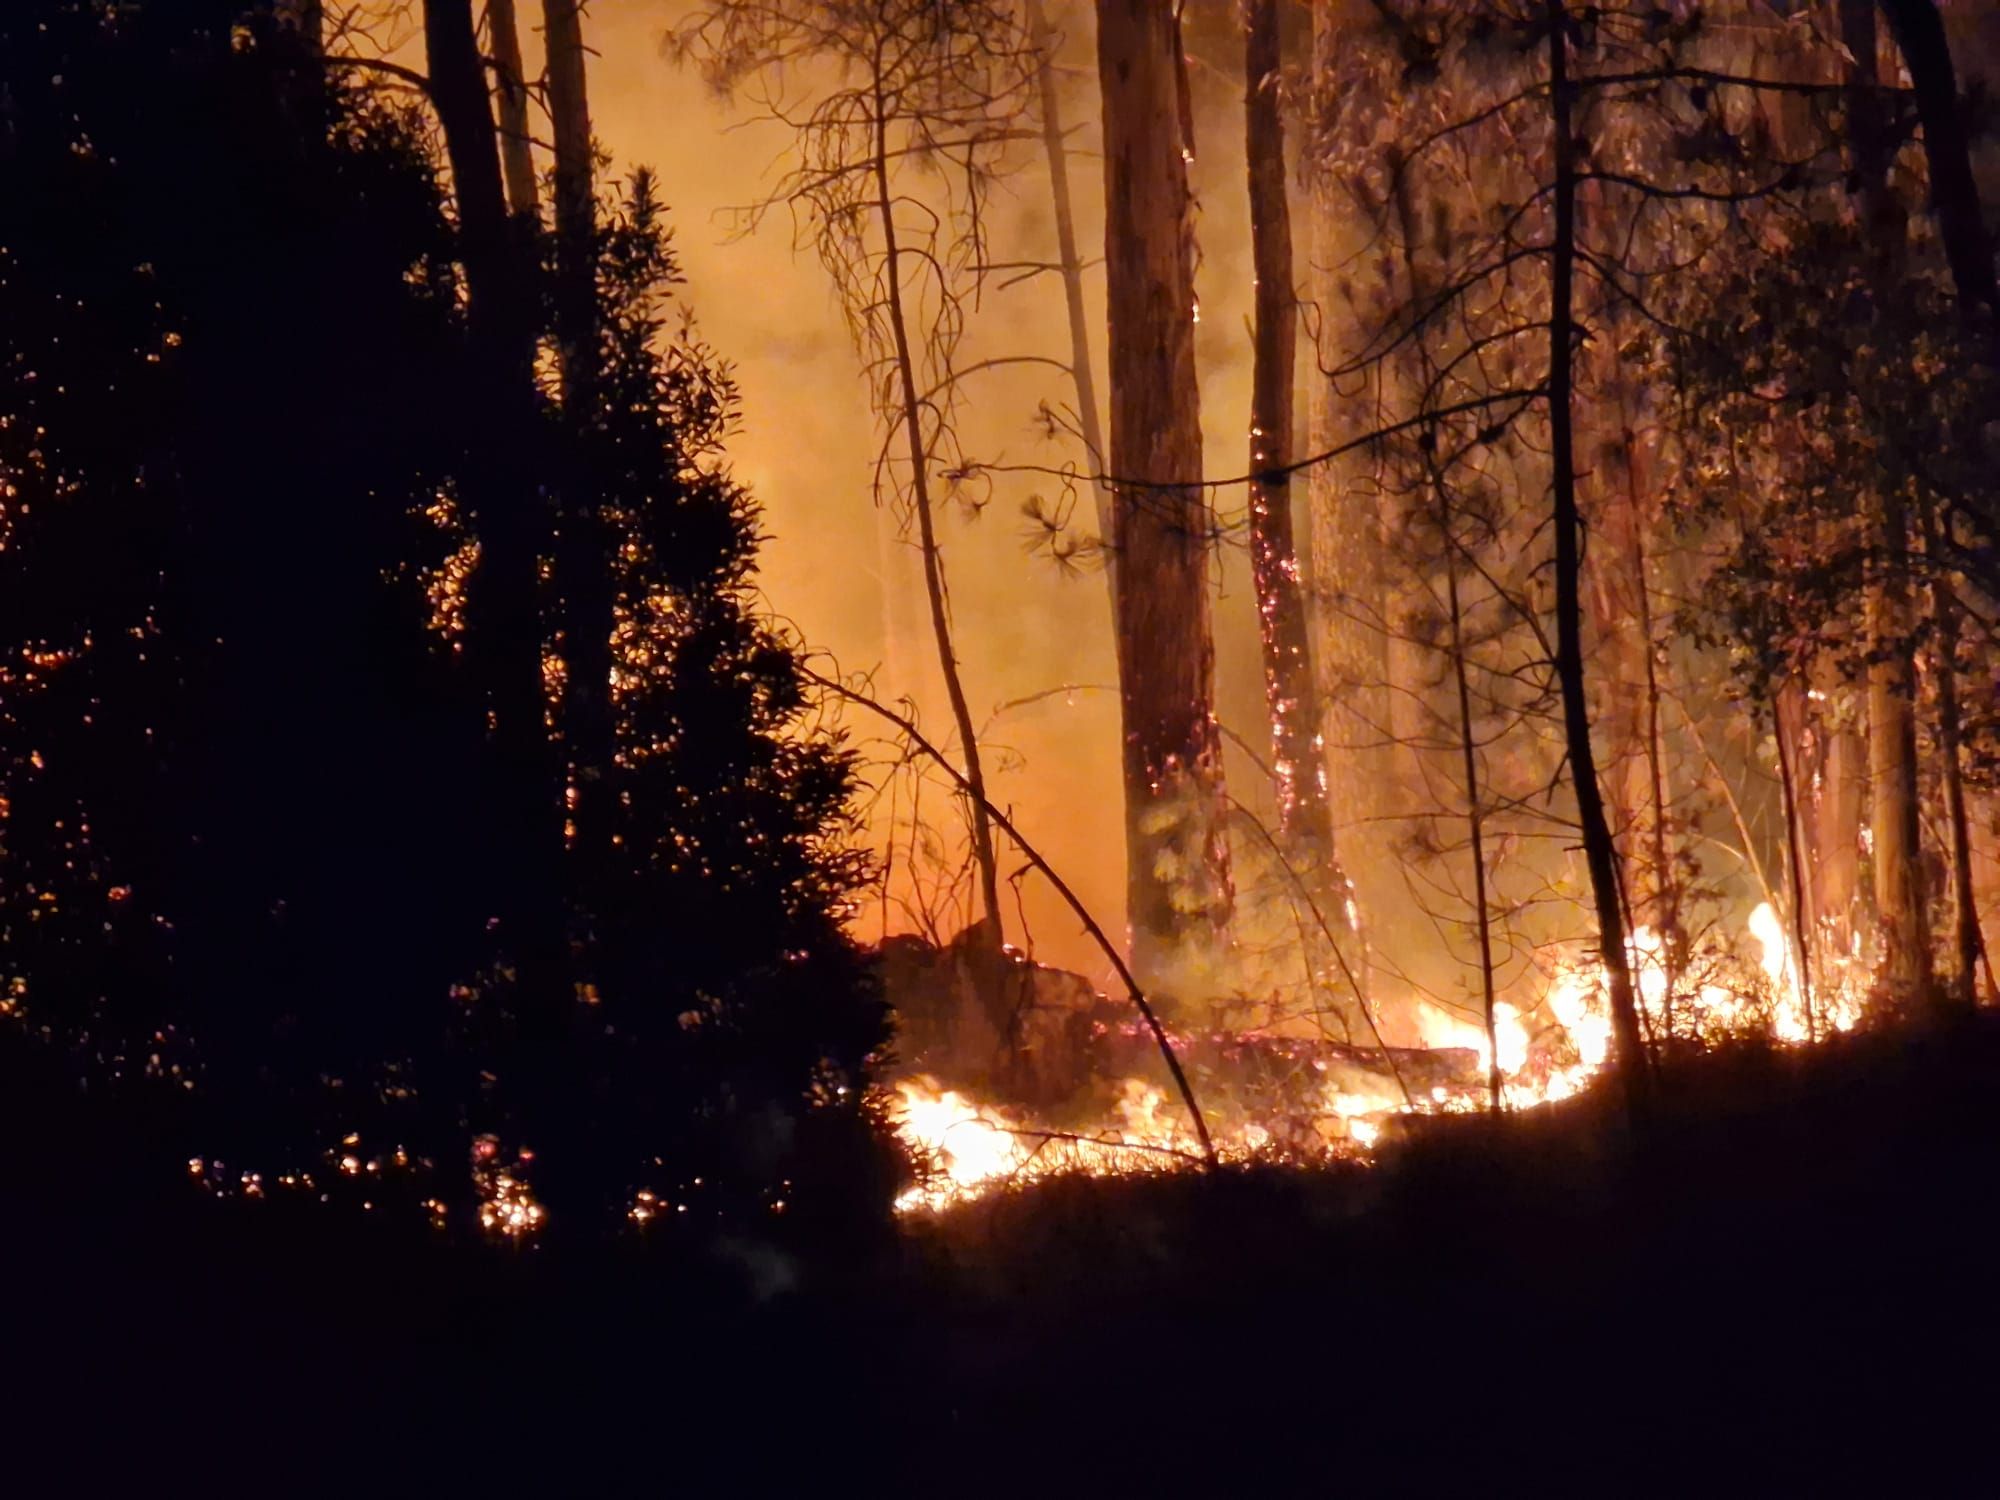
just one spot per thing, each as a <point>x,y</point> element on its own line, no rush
<point>517,158</point>
<point>1892,720</point>
<point>1070,262</point>
<point>1291,697</point>
<point>1178,887</point>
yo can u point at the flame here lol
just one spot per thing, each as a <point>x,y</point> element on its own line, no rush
<point>968,1148</point>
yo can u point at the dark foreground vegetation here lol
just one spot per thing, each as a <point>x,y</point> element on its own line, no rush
<point>1789,1280</point>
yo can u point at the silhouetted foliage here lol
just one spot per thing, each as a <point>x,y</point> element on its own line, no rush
<point>247,788</point>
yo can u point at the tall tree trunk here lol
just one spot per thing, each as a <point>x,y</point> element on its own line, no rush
<point>583,550</point>
<point>1475,812</point>
<point>1892,724</point>
<point>1836,826</point>
<point>1346,540</point>
<point>1661,896</point>
<point>516,155</point>
<point>1600,855</point>
<point>985,861</point>
<point>1178,887</point>
<point>1082,374</point>
<point>1920,37</point>
<point>1892,762</point>
<point>1967,942</point>
<point>1291,696</point>
<point>1785,731</point>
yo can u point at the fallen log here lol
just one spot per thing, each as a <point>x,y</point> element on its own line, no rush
<point>1023,1033</point>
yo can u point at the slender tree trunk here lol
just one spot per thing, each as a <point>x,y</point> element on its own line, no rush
<point>1475,813</point>
<point>1892,763</point>
<point>1794,863</point>
<point>1291,696</point>
<point>1842,801</point>
<point>1892,725</point>
<point>516,156</point>
<point>1082,374</point>
<point>1666,888</point>
<point>1178,888</point>
<point>1967,942</point>
<point>911,398</point>
<point>1600,854</point>
<point>1348,605</point>
<point>583,549</point>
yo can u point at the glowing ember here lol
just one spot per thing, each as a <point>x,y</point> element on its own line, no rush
<point>510,1209</point>
<point>507,1205</point>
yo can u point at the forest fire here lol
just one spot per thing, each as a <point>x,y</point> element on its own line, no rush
<point>844,706</point>
<point>965,1146</point>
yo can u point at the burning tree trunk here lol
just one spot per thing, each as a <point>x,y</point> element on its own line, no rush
<point>1177,878</point>
<point>1082,376</point>
<point>1291,696</point>
<point>1599,852</point>
<point>516,156</point>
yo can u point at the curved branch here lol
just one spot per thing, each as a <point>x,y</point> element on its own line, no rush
<point>1006,826</point>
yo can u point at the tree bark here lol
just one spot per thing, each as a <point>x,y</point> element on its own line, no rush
<point>1348,593</point>
<point>1836,826</point>
<point>1178,888</point>
<point>516,156</point>
<point>1967,941</point>
<point>1892,725</point>
<point>1082,374</point>
<point>1600,855</point>
<point>1291,696</point>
